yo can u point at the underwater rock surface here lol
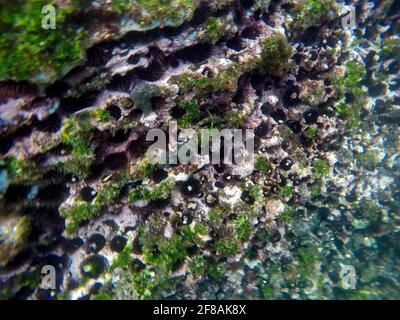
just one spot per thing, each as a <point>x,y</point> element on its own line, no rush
<point>78,192</point>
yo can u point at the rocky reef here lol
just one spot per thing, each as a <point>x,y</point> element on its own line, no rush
<point>78,192</point>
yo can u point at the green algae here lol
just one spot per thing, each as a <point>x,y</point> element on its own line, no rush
<point>263,165</point>
<point>274,59</point>
<point>311,132</point>
<point>390,48</point>
<point>102,115</point>
<point>255,192</point>
<point>243,227</point>
<point>123,258</point>
<point>226,247</point>
<point>214,28</point>
<point>82,211</point>
<point>143,169</point>
<point>307,13</point>
<point>203,85</point>
<point>75,133</point>
<point>160,191</point>
<point>148,14</point>
<point>103,296</point>
<point>28,51</point>
<point>161,256</point>
<point>233,119</point>
<point>198,266</point>
<point>275,55</point>
<point>320,168</point>
<point>144,282</point>
<point>307,257</point>
<point>354,73</point>
<point>217,214</point>
<point>285,191</point>
<point>160,252</point>
<point>350,84</point>
<point>19,171</point>
<point>287,215</point>
<point>150,280</point>
<point>216,270</point>
<point>192,113</point>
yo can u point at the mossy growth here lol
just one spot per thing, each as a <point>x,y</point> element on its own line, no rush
<point>263,165</point>
<point>27,51</point>
<point>20,170</point>
<point>75,133</point>
<point>160,191</point>
<point>285,191</point>
<point>192,113</point>
<point>123,258</point>
<point>192,235</point>
<point>219,212</point>
<point>286,133</point>
<point>226,247</point>
<point>75,129</point>
<point>29,279</point>
<point>311,132</point>
<point>82,211</point>
<point>390,48</point>
<point>316,189</point>
<point>320,168</point>
<point>267,290</point>
<point>161,257</point>
<point>269,281</point>
<point>149,14</point>
<point>107,194</point>
<point>214,28</point>
<point>135,281</point>
<point>287,215</point>
<point>275,55</point>
<point>200,228</point>
<point>147,283</point>
<point>216,270</point>
<point>255,192</point>
<point>142,169</point>
<point>307,256</point>
<point>162,253</point>
<point>307,13</point>
<point>103,296</point>
<point>198,266</point>
<point>350,84</point>
<point>144,281</point>
<point>224,80</point>
<point>102,115</point>
<point>354,73</point>
<point>243,227</point>
<point>233,119</point>
<point>78,165</point>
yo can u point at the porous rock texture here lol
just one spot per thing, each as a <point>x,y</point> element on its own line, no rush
<point>78,193</point>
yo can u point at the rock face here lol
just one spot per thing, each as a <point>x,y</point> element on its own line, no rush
<point>14,235</point>
<point>79,192</point>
